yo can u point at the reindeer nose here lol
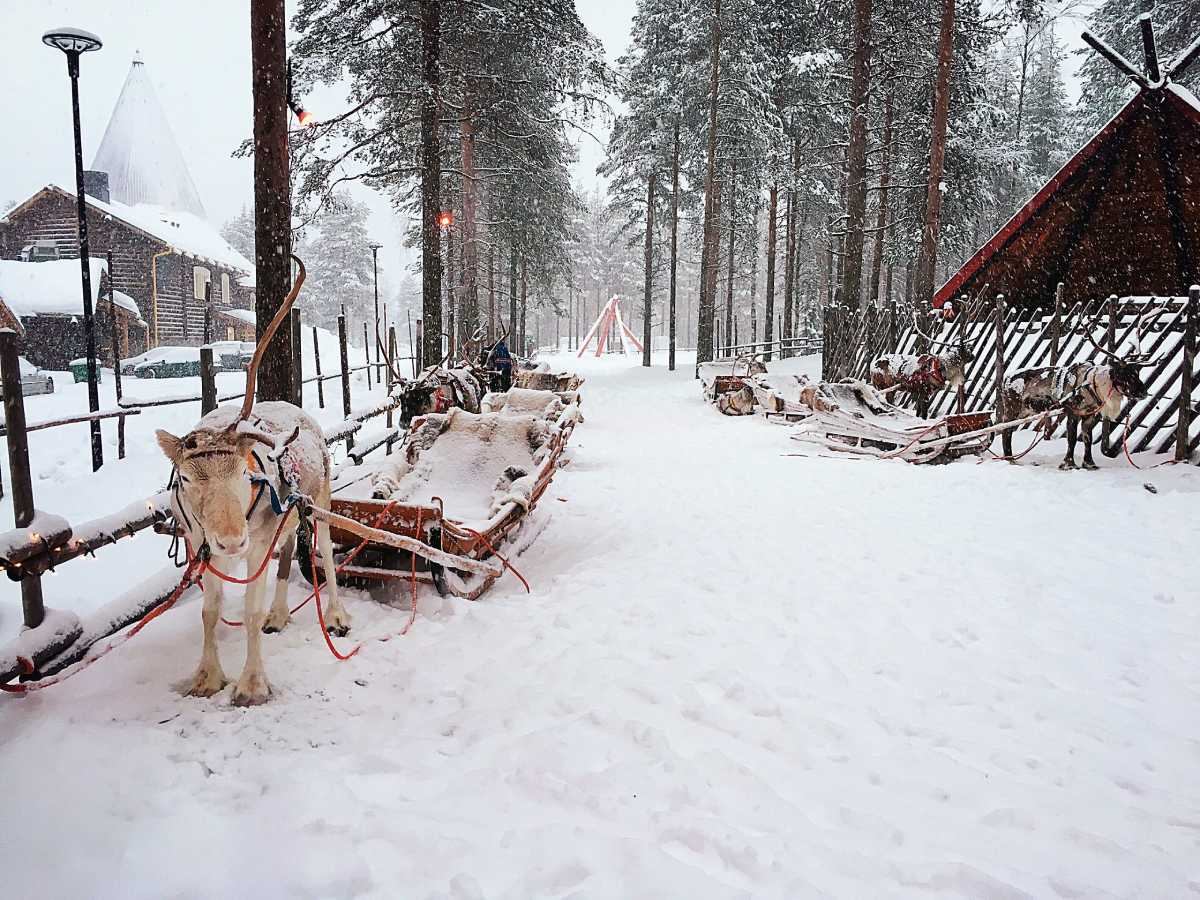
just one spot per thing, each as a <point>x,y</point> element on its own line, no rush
<point>232,547</point>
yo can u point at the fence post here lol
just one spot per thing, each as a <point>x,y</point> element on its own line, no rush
<point>208,382</point>
<point>18,465</point>
<point>345,374</point>
<point>317,366</point>
<point>367,348</point>
<point>1000,324</point>
<point>1110,343</point>
<point>1183,431</point>
<point>391,367</point>
<point>1056,325</point>
<point>418,350</point>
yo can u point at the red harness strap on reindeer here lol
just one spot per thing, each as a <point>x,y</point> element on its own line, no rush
<point>928,375</point>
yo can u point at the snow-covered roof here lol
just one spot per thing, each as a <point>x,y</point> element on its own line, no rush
<point>139,152</point>
<point>53,288</point>
<point>242,315</point>
<point>182,232</point>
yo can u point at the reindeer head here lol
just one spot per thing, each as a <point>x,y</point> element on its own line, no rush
<point>214,487</point>
<point>419,399</point>
<point>1125,371</point>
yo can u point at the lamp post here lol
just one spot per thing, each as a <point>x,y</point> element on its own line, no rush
<point>375,269</point>
<point>72,42</point>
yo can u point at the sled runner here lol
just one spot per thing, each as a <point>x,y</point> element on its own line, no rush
<point>853,417</point>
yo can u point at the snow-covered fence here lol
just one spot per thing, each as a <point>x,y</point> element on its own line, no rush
<point>784,347</point>
<point>1007,339</point>
<point>53,639</point>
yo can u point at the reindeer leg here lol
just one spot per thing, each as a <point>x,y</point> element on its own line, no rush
<point>337,620</point>
<point>209,678</point>
<point>1006,437</point>
<point>252,687</point>
<point>279,616</point>
<point>962,399</point>
<point>1088,462</point>
<point>1072,436</point>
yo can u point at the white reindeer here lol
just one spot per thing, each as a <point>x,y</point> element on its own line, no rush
<point>224,513</point>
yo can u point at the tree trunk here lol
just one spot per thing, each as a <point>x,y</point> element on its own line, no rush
<point>772,240</point>
<point>789,252</point>
<point>468,302</point>
<point>856,153</point>
<point>712,277</point>
<point>491,324</point>
<point>927,260</point>
<point>431,178</point>
<point>885,181</point>
<point>272,193</point>
<point>649,269</point>
<point>674,244</point>
<point>708,295</point>
<point>753,243</point>
<point>732,246</point>
<point>522,325</point>
<point>512,295</point>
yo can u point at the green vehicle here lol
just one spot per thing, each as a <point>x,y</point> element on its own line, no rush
<point>182,362</point>
<point>78,369</point>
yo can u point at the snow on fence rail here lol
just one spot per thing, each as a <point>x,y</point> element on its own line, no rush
<point>792,346</point>
<point>1006,339</point>
<point>41,541</point>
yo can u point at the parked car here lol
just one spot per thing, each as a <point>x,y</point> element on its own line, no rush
<point>129,366</point>
<point>232,356</point>
<point>33,379</point>
<point>178,362</point>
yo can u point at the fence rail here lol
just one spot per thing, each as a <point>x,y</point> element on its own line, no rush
<point>793,346</point>
<point>1008,339</point>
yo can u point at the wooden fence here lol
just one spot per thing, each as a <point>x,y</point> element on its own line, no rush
<point>1006,340</point>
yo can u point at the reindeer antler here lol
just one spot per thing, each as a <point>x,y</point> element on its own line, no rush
<point>280,315</point>
<point>1137,359</point>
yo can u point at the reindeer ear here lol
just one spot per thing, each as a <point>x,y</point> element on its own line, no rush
<point>170,445</point>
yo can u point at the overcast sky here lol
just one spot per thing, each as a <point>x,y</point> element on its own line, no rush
<point>198,58</point>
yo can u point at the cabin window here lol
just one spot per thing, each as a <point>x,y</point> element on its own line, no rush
<point>229,333</point>
<point>200,279</point>
<point>226,297</point>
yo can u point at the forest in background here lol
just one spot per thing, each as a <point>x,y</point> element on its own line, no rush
<point>797,153</point>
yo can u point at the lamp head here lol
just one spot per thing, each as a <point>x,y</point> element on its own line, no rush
<point>71,40</point>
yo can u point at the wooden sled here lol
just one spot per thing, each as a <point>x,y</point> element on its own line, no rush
<point>859,420</point>
<point>426,538</point>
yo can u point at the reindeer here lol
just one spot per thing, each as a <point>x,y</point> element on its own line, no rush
<point>219,502</point>
<point>1083,391</point>
<point>920,375</point>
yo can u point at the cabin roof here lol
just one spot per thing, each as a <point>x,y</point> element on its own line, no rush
<point>52,288</point>
<point>1121,216</point>
<point>187,234</point>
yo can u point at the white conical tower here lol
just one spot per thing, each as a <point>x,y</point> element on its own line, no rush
<point>139,152</point>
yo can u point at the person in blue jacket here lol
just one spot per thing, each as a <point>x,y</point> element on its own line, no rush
<point>499,359</point>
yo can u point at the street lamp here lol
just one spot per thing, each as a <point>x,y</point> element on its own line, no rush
<point>375,266</point>
<point>72,42</point>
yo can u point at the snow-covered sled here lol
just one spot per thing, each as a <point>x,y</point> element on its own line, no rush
<point>728,384</point>
<point>853,417</point>
<point>463,486</point>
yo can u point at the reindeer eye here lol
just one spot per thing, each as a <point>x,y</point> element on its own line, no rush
<point>184,478</point>
<point>189,443</point>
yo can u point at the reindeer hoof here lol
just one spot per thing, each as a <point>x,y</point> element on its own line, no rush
<point>1090,466</point>
<point>206,683</point>
<point>337,622</point>
<point>1067,464</point>
<point>251,690</point>
<point>275,624</point>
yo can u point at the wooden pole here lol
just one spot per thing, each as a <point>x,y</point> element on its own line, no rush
<point>272,191</point>
<point>208,382</point>
<point>1000,323</point>
<point>1110,342</point>
<point>1056,325</point>
<point>317,364</point>
<point>1183,428</point>
<point>367,347</point>
<point>345,358</point>
<point>297,369</point>
<point>419,350</point>
<point>18,464</point>
<point>391,368</point>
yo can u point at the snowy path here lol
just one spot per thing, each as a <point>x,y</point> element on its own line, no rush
<point>739,674</point>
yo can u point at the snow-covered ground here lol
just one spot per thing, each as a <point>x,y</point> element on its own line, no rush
<point>741,673</point>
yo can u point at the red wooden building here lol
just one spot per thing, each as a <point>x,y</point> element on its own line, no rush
<point>1121,217</point>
